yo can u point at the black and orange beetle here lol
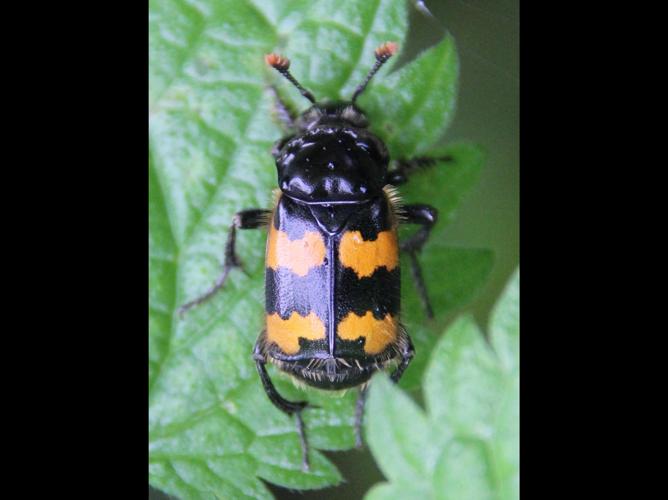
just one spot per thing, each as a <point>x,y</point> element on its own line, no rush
<point>332,277</point>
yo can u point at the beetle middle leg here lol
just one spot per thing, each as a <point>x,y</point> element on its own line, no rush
<point>253,218</point>
<point>426,216</point>
<point>289,407</point>
<point>402,169</point>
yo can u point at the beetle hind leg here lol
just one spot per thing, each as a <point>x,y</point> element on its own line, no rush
<point>289,407</point>
<point>405,351</point>
<point>359,415</point>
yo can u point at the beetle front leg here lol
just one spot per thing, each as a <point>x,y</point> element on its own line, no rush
<point>402,169</point>
<point>283,112</point>
<point>253,218</point>
<point>426,216</point>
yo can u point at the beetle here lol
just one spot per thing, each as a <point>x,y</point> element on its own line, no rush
<point>332,279</point>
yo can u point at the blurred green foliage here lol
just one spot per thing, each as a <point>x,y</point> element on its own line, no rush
<point>466,445</point>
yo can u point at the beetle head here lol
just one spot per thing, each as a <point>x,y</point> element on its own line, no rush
<point>332,157</point>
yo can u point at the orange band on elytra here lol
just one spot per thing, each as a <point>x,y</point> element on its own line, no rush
<point>379,333</point>
<point>364,257</point>
<point>299,255</point>
<point>285,333</point>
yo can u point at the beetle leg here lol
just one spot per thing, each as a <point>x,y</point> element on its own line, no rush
<point>246,219</point>
<point>290,407</point>
<point>404,168</point>
<point>426,216</point>
<point>406,350</point>
<point>359,415</point>
<point>283,112</point>
<point>407,353</point>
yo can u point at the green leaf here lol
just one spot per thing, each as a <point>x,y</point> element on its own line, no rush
<point>399,437</point>
<point>387,491</point>
<point>212,431</point>
<point>466,445</point>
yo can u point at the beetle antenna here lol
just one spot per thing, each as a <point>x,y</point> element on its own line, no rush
<point>383,53</point>
<point>282,64</point>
